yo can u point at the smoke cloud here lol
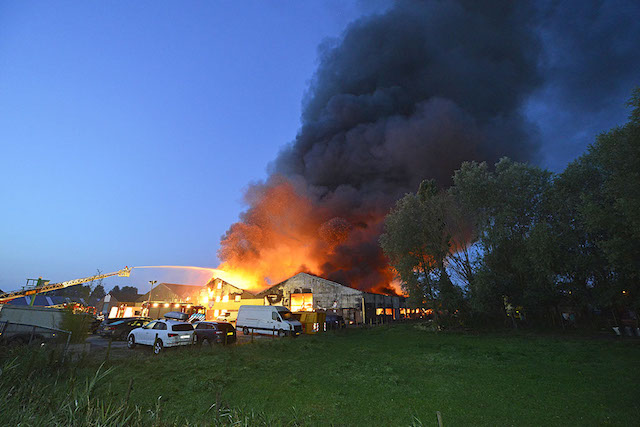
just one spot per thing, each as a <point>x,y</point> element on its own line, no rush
<point>402,96</point>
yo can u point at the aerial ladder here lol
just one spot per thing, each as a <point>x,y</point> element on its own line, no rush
<point>44,286</point>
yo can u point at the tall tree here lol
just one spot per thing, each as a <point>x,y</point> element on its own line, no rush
<point>417,241</point>
<point>98,293</point>
<point>507,207</point>
<point>607,207</point>
<point>126,293</point>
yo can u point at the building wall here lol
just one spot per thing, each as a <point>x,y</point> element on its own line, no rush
<point>354,305</point>
<point>223,300</point>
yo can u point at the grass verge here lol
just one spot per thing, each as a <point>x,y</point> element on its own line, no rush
<point>390,375</point>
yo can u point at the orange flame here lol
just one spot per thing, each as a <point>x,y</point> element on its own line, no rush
<point>285,231</point>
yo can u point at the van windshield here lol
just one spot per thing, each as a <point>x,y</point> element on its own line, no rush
<point>286,315</point>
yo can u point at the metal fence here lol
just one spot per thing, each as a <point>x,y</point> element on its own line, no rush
<point>20,333</point>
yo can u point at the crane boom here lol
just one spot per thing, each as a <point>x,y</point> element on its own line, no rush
<point>8,296</point>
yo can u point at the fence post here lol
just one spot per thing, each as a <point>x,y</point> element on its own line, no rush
<point>33,331</point>
<point>106,359</point>
<point>252,333</point>
<point>66,347</point>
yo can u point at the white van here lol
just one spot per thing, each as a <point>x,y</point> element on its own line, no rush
<point>268,320</point>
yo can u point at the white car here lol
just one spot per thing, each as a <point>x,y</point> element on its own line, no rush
<point>162,333</point>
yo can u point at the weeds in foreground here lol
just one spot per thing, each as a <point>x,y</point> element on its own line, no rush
<point>38,388</point>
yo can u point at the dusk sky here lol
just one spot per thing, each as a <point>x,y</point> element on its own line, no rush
<point>130,131</point>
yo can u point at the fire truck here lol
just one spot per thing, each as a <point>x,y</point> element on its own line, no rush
<point>24,324</point>
<point>44,286</point>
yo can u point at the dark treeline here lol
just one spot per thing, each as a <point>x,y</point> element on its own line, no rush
<point>94,292</point>
<point>515,237</point>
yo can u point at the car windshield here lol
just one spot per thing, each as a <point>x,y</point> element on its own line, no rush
<point>119,322</point>
<point>286,315</point>
<point>183,327</point>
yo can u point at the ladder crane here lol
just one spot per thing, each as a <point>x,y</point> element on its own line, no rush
<point>8,296</point>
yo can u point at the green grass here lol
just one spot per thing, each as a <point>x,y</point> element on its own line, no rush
<point>390,375</point>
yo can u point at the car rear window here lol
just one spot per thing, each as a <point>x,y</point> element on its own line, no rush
<point>183,327</point>
<point>225,327</point>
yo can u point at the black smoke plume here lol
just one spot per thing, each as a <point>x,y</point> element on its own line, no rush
<point>402,96</point>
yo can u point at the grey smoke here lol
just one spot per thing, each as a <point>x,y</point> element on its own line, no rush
<point>412,92</point>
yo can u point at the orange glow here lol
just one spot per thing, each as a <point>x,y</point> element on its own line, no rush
<point>302,302</point>
<point>286,231</point>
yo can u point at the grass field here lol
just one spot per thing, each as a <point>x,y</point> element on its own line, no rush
<point>390,375</point>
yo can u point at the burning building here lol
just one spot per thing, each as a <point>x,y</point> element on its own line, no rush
<point>222,300</point>
<point>306,292</point>
<point>171,297</point>
<point>395,100</point>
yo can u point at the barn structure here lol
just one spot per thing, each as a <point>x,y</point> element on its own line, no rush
<point>306,292</point>
<point>220,300</point>
<point>170,297</point>
<point>223,300</point>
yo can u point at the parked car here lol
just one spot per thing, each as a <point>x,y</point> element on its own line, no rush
<point>208,333</point>
<point>335,321</point>
<point>120,330</point>
<point>107,322</point>
<point>267,319</point>
<point>162,333</point>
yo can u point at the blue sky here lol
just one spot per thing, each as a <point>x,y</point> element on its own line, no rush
<point>130,130</point>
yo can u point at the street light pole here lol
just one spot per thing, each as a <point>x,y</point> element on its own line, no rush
<point>151,282</point>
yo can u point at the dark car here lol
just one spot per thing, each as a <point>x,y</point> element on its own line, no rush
<point>335,321</point>
<point>119,329</point>
<point>209,333</point>
<point>95,325</point>
<point>107,322</point>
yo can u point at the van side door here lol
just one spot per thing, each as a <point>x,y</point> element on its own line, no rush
<point>276,322</point>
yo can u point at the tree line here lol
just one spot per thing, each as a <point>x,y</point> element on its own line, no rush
<point>94,291</point>
<point>513,235</point>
